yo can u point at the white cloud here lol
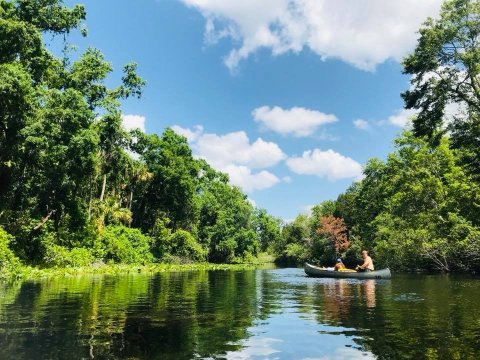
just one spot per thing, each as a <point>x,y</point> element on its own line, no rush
<point>234,154</point>
<point>287,179</point>
<point>363,33</point>
<point>453,110</point>
<point>361,124</point>
<point>307,209</point>
<point>297,120</point>
<point>325,164</point>
<point>344,353</point>
<point>255,348</point>
<point>235,148</point>
<point>402,117</point>
<point>191,135</point>
<point>253,202</point>
<point>131,122</point>
<point>243,177</point>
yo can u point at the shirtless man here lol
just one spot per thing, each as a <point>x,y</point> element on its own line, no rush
<point>367,263</point>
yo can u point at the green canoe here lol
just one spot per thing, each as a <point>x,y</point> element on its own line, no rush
<point>315,271</point>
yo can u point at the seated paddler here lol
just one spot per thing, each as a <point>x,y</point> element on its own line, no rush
<point>367,263</point>
<point>339,266</point>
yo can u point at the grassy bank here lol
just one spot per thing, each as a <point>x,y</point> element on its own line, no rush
<point>30,273</point>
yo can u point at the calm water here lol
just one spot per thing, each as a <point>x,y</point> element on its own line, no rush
<point>262,314</point>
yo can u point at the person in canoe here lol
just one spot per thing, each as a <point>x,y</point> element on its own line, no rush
<point>367,263</point>
<point>339,266</point>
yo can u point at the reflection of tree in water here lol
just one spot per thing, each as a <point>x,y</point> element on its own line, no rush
<point>407,318</point>
<point>429,318</point>
<point>175,315</point>
<point>330,300</point>
<point>183,315</point>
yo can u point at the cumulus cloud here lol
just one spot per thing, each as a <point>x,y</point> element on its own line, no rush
<point>363,33</point>
<point>234,154</point>
<point>325,164</point>
<point>297,121</point>
<point>402,117</point>
<point>361,124</point>
<point>131,122</point>
<point>307,209</point>
<point>235,147</point>
<point>191,134</point>
<point>243,177</point>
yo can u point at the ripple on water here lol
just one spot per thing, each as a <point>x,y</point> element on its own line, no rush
<point>408,297</point>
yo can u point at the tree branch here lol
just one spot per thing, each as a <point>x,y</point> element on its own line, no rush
<point>44,220</point>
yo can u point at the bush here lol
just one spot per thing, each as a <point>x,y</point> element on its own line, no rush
<point>247,244</point>
<point>10,265</point>
<point>57,255</point>
<point>183,245</point>
<point>123,245</point>
<point>296,253</point>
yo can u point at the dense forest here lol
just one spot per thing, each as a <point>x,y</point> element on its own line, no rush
<point>76,188</point>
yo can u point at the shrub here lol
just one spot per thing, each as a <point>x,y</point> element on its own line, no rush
<point>123,245</point>
<point>10,265</point>
<point>182,244</point>
<point>247,243</point>
<point>57,255</point>
<point>296,252</point>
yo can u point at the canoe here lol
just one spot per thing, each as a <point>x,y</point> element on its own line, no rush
<point>315,271</point>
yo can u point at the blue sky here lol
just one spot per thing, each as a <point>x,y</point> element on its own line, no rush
<point>290,97</point>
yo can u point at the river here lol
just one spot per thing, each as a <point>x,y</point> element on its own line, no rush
<point>250,314</point>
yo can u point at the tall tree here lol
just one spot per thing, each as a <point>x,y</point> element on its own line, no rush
<point>445,65</point>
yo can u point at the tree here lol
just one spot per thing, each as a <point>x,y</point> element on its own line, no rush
<point>171,189</point>
<point>334,231</point>
<point>445,69</point>
<point>74,183</point>
<point>445,65</point>
<point>51,111</point>
<point>267,228</point>
<point>226,218</point>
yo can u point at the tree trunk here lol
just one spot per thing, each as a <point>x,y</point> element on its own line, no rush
<point>131,200</point>
<point>90,206</point>
<point>104,185</point>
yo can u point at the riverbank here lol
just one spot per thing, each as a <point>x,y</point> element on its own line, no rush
<point>31,273</point>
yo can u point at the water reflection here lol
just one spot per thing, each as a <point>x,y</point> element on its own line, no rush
<point>265,314</point>
<point>369,290</point>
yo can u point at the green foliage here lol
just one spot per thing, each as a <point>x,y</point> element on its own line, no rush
<point>182,244</point>
<point>267,228</point>
<point>296,253</point>
<point>9,264</point>
<point>445,71</point>
<point>59,256</point>
<point>418,210</point>
<point>296,240</point>
<point>172,187</point>
<point>69,185</point>
<point>226,219</point>
<point>123,245</point>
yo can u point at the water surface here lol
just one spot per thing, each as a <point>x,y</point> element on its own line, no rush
<point>255,314</point>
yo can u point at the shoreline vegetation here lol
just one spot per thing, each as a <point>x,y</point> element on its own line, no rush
<point>77,188</point>
<point>35,273</point>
